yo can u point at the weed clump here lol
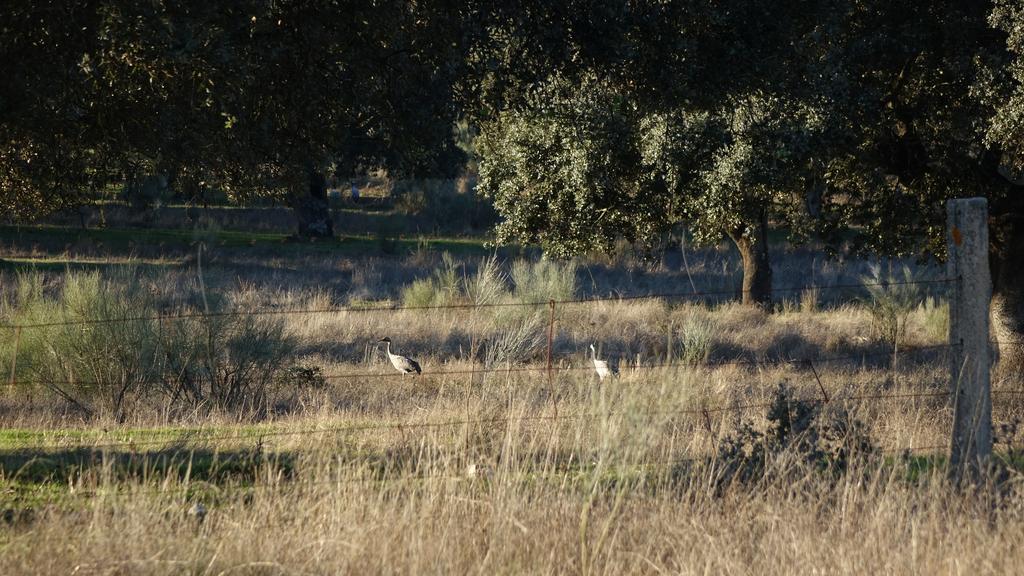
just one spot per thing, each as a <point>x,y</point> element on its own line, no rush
<point>892,298</point>
<point>800,436</point>
<point>106,347</point>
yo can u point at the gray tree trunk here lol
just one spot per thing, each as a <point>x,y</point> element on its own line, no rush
<point>309,203</point>
<point>757,269</point>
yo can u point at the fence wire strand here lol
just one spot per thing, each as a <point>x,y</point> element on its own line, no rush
<point>675,296</point>
<point>199,437</point>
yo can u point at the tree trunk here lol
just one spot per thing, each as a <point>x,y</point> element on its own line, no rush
<point>1007,264</point>
<point>309,202</point>
<point>757,269</point>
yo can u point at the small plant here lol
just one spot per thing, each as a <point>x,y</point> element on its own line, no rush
<point>695,339</point>
<point>488,285</point>
<point>810,300</point>
<point>419,294</point>
<point>443,288</point>
<point>514,341</point>
<point>543,280</point>
<point>892,299</point>
<point>302,377</point>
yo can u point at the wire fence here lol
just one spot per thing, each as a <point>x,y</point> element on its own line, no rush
<point>184,440</point>
<point>807,363</point>
<point>200,437</point>
<point>670,296</point>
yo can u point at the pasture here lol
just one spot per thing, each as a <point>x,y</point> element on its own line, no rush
<point>231,412</point>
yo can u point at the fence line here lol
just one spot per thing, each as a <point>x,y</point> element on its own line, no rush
<point>810,362</point>
<point>196,435</point>
<point>705,295</point>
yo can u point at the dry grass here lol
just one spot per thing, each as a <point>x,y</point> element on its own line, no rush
<point>528,475</point>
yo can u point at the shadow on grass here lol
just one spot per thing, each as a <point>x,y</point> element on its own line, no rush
<point>143,242</point>
<point>66,466</point>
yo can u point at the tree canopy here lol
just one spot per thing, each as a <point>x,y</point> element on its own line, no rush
<point>605,119</point>
<point>597,119</point>
<point>254,97</point>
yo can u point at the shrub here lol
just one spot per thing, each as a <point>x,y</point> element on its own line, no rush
<point>695,338</point>
<point>303,377</point>
<point>543,280</point>
<point>228,360</point>
<point>893,297</point>
<point>114,354</point>
<point>514,340</point>
<point>419,294</point>
<point>488,285</point>
<point>443,288</point>
<point>820,438</point>
<point>97,361</point>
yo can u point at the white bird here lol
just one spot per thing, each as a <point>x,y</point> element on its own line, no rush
<point>604,370</point>
<point>401,363</point>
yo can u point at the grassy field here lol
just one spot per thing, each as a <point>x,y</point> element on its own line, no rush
<point>711,452</point>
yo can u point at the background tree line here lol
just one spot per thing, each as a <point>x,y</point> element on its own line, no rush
<point>595,119</point>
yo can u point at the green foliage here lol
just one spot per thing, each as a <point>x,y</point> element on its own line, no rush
<point>695,338</point>
<point>420,293</point>
<point>99,365</point>
<point>108,352</point>
<point>449,285</point>
<point>528,281</point>
<point>489,285</point>
<point>892,298</point>
<point>566,172</point>
<point>855,125</point>
<point>543,280</point>
<point>1002,87</point>
<point>272,95</point>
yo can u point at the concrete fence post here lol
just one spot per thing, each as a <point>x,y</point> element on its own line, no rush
<point>968,272</point>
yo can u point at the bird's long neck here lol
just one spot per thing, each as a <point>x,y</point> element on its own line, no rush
<point>389,348</point>
<point>593,352</point>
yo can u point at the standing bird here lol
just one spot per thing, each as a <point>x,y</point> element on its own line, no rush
<point>603,368</point>
<point>401,363</point>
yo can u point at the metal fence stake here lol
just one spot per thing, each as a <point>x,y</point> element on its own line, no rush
<point>824,394</point>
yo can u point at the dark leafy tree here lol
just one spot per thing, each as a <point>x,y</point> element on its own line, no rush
<point>658,113</point>
<point>851,120</point>
<point>1002,87</point>
<point>255,97</point>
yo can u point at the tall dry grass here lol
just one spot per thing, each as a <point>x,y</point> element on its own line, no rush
<point>486,465</point>
<point>616,493</point>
